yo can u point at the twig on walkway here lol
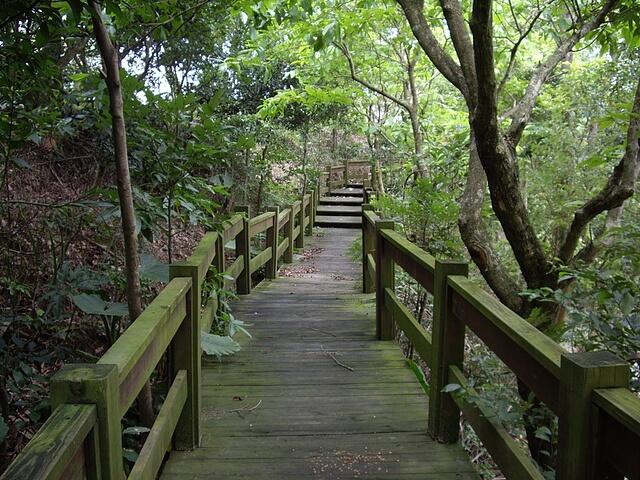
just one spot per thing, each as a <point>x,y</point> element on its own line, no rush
<point>237,410</point>
<point>322,331</point>
<point>335,360</point>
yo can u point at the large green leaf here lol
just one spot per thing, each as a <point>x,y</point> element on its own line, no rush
<point>152,269</point>
<point>94,305</point>
<point>216,345</point>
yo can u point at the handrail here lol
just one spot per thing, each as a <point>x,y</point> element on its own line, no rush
<point>341,176</point>
<point>588,391</point>
<point>83,437</point>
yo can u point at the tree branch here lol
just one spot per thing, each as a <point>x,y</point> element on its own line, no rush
<point>498,159</point>
<point>413,10</point>
<point>514,50</point>
<point>354,76</point>
<point>452,10</point>
<point>155,26</point>
<point>619,187</point>
<point>522,112</point>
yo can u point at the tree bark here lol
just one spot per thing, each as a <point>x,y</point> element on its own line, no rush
<point>111,61</point>
<point>430,45</point>
<point>478,241</point>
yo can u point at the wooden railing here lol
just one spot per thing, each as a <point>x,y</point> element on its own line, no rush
<point>83,436</point>
<point>598,417</point>
<point>341,176</point>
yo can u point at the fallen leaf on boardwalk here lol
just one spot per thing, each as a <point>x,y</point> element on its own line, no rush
<point>296,272</point>
<point>356,465</point>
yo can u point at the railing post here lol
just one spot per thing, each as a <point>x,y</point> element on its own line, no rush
<point>329,179</point>
<point>312,212</point>
<point>301,213</point>
<point>369,194</point>
<point>185,354</point>
<point>271,268</point>
<point>288,234</point>
<point>580,374</point>
<point>220,261</point>
<point>308,214</point>
<point>99,385</point>
<point>385,278</point>
<point>243,247</point>
<point>447,349</point>
<point>368,247</point>
<point>346,173</point>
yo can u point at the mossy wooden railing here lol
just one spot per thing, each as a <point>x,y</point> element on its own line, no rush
<point>83,436</point>
<point>341,176</point>
<point>598,416</point>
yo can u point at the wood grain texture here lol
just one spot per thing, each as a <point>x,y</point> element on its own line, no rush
<point>312,394</point>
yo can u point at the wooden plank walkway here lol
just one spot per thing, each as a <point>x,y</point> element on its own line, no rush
<point>312,394</point>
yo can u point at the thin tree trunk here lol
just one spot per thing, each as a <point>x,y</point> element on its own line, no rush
<point>112,65</point>
<point>305,153</point>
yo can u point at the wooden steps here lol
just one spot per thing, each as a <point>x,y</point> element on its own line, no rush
<point>332,209</point>
<point>341,209</point>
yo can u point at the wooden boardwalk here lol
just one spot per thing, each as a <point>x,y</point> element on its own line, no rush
<point>312,394</point>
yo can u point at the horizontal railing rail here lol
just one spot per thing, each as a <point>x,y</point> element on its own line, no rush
<point>341,176</point>
<point>598,416</point>
<point>83,436</point>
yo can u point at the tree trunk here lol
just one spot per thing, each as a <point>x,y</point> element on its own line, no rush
<point>478,241</point>
<point>474,75</point>
<point>305,153</point>
<point>125,195</point>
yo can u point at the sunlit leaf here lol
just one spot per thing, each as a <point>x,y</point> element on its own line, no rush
<point>94,305</point>
<point>216,345</point>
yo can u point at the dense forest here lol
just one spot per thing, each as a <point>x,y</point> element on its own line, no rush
<point>502,132</point>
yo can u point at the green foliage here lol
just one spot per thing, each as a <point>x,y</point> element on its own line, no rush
<point>576,136</point>
<point>603,300</point>
<point>223,99</point>
<point>417,371</point>
<point>426,207</point>
<point>213,344</point>
<point>220,342</point>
